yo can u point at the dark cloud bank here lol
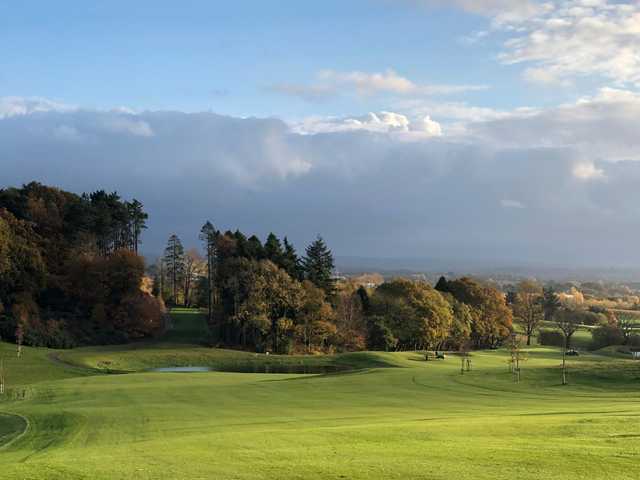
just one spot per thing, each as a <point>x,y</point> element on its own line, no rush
<point>370,194</point>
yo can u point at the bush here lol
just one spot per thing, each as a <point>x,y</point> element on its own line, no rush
<point>552,338</point>
<point>51,334</point>
<point>606,335</point>
<point>592,318</point>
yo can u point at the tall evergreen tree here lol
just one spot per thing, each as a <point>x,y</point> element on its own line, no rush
<point>255,250</point>
<point>291,262</point>
<point>174,261</point>
<point>208,236</point>
<point>318,266</point>
<point>273,250</point>
<point>242,247</point>
<point>137,222</point>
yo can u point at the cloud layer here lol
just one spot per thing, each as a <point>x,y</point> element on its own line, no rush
<point>547,186</point>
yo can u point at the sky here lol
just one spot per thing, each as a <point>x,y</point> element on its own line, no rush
<point>495,131</point>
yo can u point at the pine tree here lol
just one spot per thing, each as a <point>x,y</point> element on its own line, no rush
<point>291,262</point>
<point>255,249</point>
<point>318,266</point>
<point>442,285</point>
<point>174,261</point>
<point>208,236</point>
<point>137,223</point>
<point>273,250</point>
<point>242,247</point>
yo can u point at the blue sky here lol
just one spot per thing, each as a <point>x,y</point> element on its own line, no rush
<point>224,56</point>
<point>500,131</point>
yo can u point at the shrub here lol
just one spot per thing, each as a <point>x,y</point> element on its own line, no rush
<point>606,335</point>
<point>593,318</point>
<point>551,338</point>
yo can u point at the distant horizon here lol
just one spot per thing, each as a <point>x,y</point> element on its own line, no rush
<point>459,267</point>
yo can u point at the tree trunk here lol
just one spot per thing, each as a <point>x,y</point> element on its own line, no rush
<point>564,363</point>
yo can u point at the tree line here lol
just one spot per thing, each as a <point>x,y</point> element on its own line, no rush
<point>69,269</point>
<point>70,274</point>
<point>264,296</point>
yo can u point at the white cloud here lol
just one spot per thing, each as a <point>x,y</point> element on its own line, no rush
<point>502,11</point>
<point>331,83</point>
<point>382,122</point>
<point>12,106</point>
<point>370,83</point>
<point>428,126</point>
<point>587,171</point>
<point>577,38</point>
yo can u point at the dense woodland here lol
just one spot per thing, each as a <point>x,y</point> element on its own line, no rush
<point>70,274</point>
<point>69,269</point>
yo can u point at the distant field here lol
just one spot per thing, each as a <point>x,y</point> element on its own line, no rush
<point>581,339</point>
<point>392,416</point>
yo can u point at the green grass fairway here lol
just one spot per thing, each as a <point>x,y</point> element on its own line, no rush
<point>394,416</point>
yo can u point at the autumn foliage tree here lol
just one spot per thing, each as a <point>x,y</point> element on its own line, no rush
<point>417,314</point>
<point>529,306</point>
<point>68,265</point>
<point>492,318</point>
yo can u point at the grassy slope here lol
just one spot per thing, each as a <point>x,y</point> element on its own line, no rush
<point>420,420</point>
<point>180,347</point>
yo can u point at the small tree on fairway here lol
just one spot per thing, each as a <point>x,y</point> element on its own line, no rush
<point>318,266</point>
<point>625,323</point>
<point>568,322</point>
<point>516,356</point>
